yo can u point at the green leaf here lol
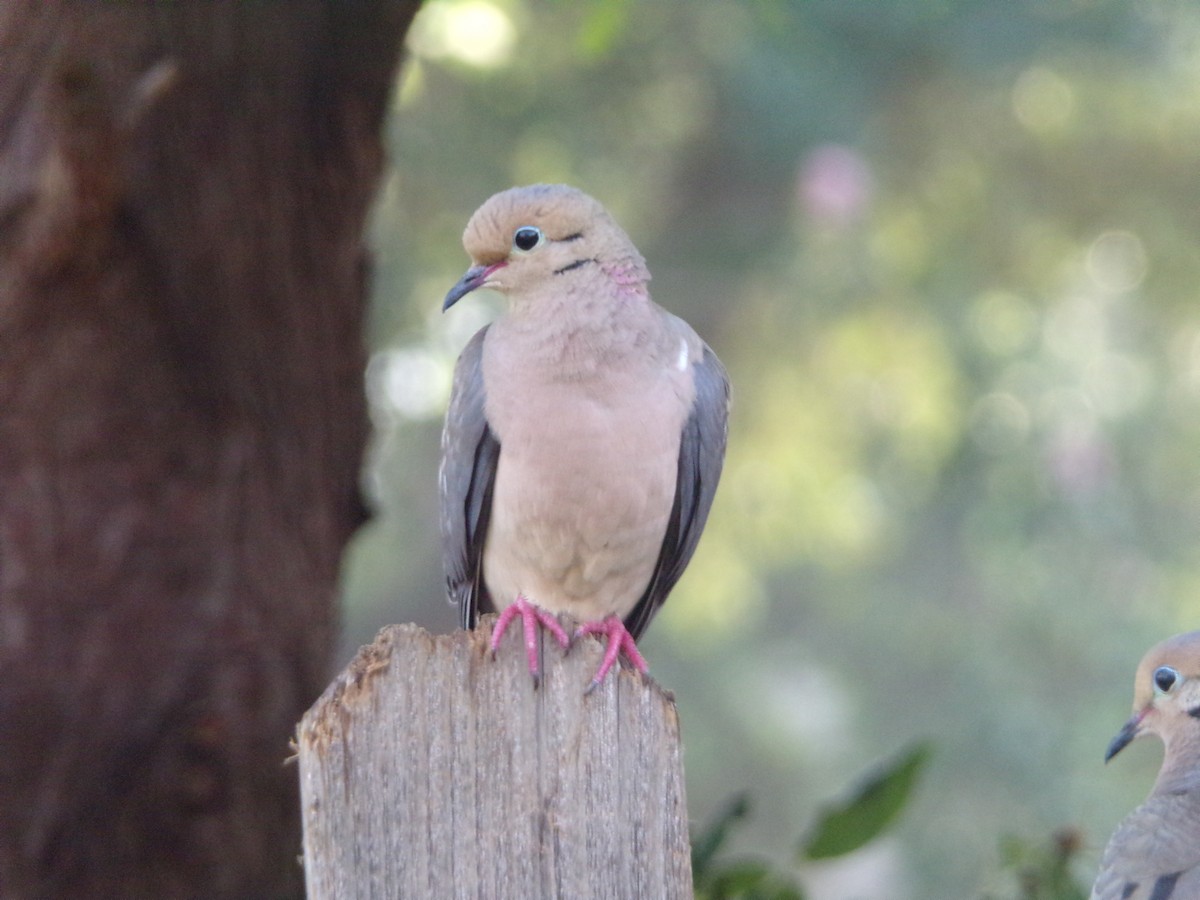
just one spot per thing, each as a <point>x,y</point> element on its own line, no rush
<point>741,877</point>
<point>1044,870</point>
<point>706,844</point>
<point>843,828</point>
<point>753,880</point>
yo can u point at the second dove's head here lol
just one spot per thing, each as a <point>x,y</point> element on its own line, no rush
<point>527,241</point>
<point>1166,695</point>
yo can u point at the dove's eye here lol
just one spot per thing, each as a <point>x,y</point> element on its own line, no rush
<point>1165,679</point>
<point>527,237</point>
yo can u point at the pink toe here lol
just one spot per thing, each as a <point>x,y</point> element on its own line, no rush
<point>619,641</point>
<point>531,616</point>
<point>550,623</point>
<point>502,622</point>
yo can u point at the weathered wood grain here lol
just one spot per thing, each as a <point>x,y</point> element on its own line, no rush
<point>430,770</point>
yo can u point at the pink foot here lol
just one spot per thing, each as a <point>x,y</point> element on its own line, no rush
<point>530,617</point>
<point>619,641</point>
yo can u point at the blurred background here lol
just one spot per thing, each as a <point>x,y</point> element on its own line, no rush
<point>948,250</point>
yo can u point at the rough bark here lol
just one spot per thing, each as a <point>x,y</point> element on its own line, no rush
<point>183,188</point>
<point>429,769</point>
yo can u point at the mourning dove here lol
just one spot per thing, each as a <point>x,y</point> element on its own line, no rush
<point>585,434</point>
<point>1155,852</point>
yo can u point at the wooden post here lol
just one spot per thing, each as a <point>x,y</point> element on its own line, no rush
<point>428,769</point>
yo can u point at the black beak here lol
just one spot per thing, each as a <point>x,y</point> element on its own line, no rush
<point>1124,737</point>
<point>472,278</point>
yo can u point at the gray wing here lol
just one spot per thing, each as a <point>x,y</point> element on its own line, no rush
<point>1154,854</point>
<point>470,453</point>
<point>701,455</point>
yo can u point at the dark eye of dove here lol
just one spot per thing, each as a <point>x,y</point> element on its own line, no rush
<point>1165,679</point>
<point>527,238</point>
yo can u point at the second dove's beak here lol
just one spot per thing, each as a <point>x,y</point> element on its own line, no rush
<point>474,277</point>
<point>1125,736</point>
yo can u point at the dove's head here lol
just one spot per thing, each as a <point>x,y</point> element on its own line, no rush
<point>527,242</point>
<point>1166,695</point>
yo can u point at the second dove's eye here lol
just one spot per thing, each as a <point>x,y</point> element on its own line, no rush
<point>1165,678</point>
<point>527,237</point>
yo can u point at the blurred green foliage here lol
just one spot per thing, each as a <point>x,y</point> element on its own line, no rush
<point>717,878</point>
<point>846,826</point>
<point>840,829</point>
<point>1045,871</point>
<point>949,251</point>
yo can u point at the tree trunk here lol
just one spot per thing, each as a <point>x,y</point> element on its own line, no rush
<point>429,769</point>
<point>183,188</point>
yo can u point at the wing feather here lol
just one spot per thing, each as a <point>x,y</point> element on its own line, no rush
<point>470,453</point>
<point>701,456</point>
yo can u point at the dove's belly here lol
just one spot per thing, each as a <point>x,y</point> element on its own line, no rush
<point>581,503</point>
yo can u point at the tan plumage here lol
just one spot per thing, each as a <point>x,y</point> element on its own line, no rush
<point>1155,852</point>
<point>586,428</point>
